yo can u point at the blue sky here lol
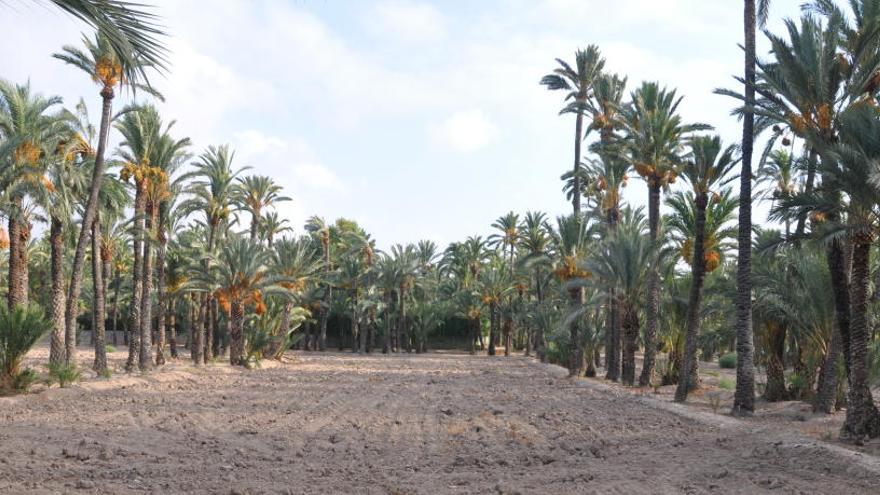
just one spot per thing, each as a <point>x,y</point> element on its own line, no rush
<point>417,119</point>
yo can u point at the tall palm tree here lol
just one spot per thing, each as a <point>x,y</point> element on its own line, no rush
<point>707,167</point>
<point>654,139</point>
<point>31,134</point>
<point>272,225</point>
<point>214,192</point>
<point>536,244</point>
<point>141,129</point>
<point>258,192</point>
<point>319,228</point>
<point>577,82</point>
<point>570,245</point>
<point>109,61</point>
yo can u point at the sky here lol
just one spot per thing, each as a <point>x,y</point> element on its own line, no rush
<point>417,119</point>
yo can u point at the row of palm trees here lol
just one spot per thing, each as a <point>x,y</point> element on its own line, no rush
<point>815,95</point>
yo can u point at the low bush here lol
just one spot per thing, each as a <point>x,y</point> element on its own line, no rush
<point>63,374</point>
<point>726,384</point>
<point>20,329</point>
<point>727,361</point>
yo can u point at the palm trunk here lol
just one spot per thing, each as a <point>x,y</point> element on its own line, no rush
<point>146,324</point>
<point>386,338</point>
<point>652,308</point>
<point>117,281</point>
<point>744,397</point>
<point>19,234</point>
<point>507,330</point>
<point>88,217</point>
<point>98,310</point>
<point>613,361</point>
<point>862,417</point>
<point>776,390</point>
<point>576,180</point>
<point>172,326</point>
<point>575,358</point>
<point>197,344</point>
<point>493,309</point>
<point>690,376</point>
<point>134,311</point>
<point>57,354</point>
<point>840,288</point>
<point>404,327</point>
<point>161,296</point>
<point>826,394</point>
<point>328,293</point>
<point>630,326</point>
<point>236,341</point>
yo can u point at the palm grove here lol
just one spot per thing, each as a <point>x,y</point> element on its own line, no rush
<point>183,248</point>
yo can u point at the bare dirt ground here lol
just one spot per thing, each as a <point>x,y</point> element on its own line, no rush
<point>436,423</point>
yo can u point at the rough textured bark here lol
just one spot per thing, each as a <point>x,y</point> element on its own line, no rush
<point>492,320</point>
<point>575,356</point>
<point>578,138</point>
<point>776,390</point>
<point>114,316</point>
<point>57,354</point>
<point>840,289</point>
<point>612,344</point>
<point>146,323</point>
<point>161,296</point>
<point>88,216</point>
<point>630,327</point>
<point>826,394</point>
<point>172,326</point>
<point>690,376</point>
<point>19,234</point>
<point>197,346</point>
<point>98,310</point>
<point>744,396</point>
<point>211,351</point>
<point>652,307</point>
<point>507,330</point>
<point>134,308</point>
<point>236,340</point>
<point>862,417</point>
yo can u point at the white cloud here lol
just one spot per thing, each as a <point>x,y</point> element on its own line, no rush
<point>317,176</point>
<point>464,131</point>
<point>406,21</point>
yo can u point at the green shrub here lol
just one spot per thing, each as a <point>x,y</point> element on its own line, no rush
<point>727,361</point>
<point>106,373</point>
<point>109,348</point>
<point>726,384</point>
<point>713,373</point>
<point>20,329</point>
<point>64,374</point>
<point>24,379</point>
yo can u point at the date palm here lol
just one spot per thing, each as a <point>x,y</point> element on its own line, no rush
<point>109,61</point>
<point>570,242</point>
<point>298,261</point>
<point>535,240</point>
<point>30,133</point>
<point>272,225</point>
<point>707,167</point>
<point>653,142</point>
<point>577,83</point>
<point>321,230</point>
<point>257,192</point>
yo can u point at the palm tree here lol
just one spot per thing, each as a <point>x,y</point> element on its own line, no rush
<point>707,167</point>
<point>30,134</point>
<point>495,284</point>
<point>536,244</point>
<point>570,244</point>
<point>141,129</point>
<point>577,82</point>
<point>258,192</point>
<point>131,30</point>
<point>319,228</point>
<point>110,61</point>
<point>240,276</point>
<point>272,225</point>
<point>653,143</point>
<point>298,261</point>
<point>213,192</point>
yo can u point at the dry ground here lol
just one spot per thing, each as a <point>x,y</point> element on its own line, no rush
<point>437,423</point>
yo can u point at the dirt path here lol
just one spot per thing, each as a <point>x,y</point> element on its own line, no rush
<point>391,424</point>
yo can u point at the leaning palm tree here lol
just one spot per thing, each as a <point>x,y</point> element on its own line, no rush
<point>577,82</point>
<point>109,61</point>
<point>707,167</point>
<point>654,139</point>
<point>257,192</point>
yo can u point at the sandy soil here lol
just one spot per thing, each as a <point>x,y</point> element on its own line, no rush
<point>437,423</point>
